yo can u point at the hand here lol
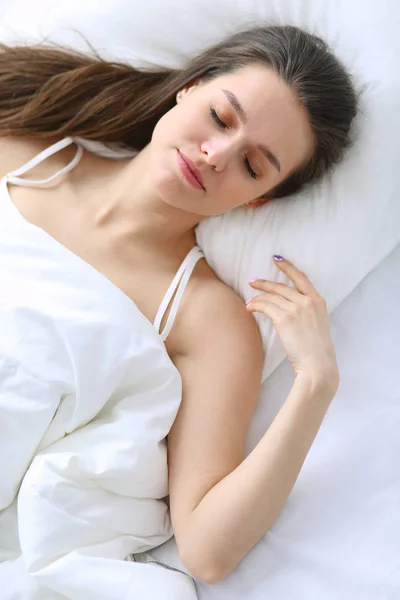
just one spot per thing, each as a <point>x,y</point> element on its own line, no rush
<point>301,320</point>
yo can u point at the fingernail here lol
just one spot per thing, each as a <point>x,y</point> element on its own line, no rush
<point>252,280</point>
<point>277,257</point>
<point>248,301</point>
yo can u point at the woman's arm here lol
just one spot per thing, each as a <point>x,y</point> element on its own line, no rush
<point>236,513</point>
<point>221,506</point>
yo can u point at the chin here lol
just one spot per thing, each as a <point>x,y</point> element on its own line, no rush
<point>166,188</point>
<point>167,183</point>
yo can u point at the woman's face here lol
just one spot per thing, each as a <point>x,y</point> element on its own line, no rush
<point>244,131</point>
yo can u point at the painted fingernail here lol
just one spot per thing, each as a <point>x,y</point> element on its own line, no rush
<point>277,257</point>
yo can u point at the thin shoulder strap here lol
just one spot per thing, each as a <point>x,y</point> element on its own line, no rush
<point>14,178</point>
<point>178,284</point>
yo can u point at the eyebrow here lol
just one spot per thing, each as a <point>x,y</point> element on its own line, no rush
<point>243,117</point>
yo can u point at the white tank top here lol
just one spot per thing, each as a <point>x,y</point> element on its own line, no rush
<point>184,272</point>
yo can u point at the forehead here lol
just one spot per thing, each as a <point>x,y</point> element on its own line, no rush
<point>274,114</point>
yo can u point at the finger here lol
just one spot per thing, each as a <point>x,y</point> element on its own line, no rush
<point>275,299</point>
<point>274,287</point>
<point>300,279</point>
<point>270,310</point>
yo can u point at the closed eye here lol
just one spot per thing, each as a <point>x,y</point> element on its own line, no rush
<point>217,119</point>
<point>222,125</point>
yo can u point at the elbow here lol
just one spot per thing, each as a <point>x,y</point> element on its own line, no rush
<point>203,568</point>
<point>211,576</point>
<point>208,575</point>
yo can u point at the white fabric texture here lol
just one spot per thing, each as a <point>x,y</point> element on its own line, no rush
<point>88,395</point>
<point>335,232</point>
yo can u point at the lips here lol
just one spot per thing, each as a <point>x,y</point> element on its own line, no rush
<point>192,167</point>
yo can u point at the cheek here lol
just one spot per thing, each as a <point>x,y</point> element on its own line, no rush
<point>160,133</point>
<point>232,191</point>
<point>162,164</point>
<point>177,127</point>
<point>174,130</point>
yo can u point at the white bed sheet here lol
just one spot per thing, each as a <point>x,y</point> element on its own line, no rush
<point>338,536</point>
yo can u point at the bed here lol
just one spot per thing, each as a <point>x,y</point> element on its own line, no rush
<point>338,536</point>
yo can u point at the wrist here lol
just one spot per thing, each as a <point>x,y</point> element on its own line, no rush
<point>320,380</point>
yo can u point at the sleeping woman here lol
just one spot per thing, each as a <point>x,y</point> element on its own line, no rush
<point>121,352</point>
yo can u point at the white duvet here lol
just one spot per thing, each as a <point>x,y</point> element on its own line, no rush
<point>87,397</point>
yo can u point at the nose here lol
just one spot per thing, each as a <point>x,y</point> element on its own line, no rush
<point>218,151</point>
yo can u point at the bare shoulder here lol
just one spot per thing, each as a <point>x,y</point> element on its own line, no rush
<point>15,151</point>
<point>211,309</point>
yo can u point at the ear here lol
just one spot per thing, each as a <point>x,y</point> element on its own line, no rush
<point>258,202</point>
<point>188,89</point>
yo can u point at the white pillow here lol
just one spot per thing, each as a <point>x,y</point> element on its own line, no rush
<point>336,231</point>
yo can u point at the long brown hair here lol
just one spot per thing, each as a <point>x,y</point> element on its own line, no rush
<point>50,90</point>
